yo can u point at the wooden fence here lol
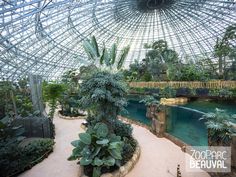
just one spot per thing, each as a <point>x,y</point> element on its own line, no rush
<point>190,84</point>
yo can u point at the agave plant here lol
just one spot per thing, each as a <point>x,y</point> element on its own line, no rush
<point>105,57</point>
<point>221,126</point>
<point>98,148</point>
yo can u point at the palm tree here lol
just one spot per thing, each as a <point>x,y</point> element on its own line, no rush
<point>105,57</point>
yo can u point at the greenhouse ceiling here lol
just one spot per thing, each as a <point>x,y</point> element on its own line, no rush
<point>45,37</point>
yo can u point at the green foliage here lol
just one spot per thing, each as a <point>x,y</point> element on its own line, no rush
<point>121,129</point>
<point>159,58</point>
<point>222,93</point>
<point>15,98</point>
<point>138,90</point>
<point>86,72</point>
<point>225,51</point>
<point>16,158</point>
<point>150,100</point>
<point>70,96</point>
<point>10,137</point>
<point>105,57</point>
<point>191,72</point>
<point>168,92</point>
<point>220,126</point>
<point>103,94</point>
<point>52,93</point>
<point>146,77</point>
<point>129,148</point>
<point>98,148</point>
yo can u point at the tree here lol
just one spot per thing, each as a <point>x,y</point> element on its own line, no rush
<point>105,57</point>
<point>224,50</point>
<point>104,95</point>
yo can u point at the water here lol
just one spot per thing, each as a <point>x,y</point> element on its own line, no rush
<point>184,124</point>
<point>137,111</point>
<point>210,106</point>
<point>183,121</point>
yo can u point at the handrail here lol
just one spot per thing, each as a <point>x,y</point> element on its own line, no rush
<point>186,84</point>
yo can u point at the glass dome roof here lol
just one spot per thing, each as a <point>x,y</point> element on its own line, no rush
<point>44,36</point>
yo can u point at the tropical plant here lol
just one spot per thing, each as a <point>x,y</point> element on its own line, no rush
<point>97,149</point>
<point>220,126</point>
<point>224,50</point>
<point>160,61</point>
<point>52,93</point>
<point>105,57</point>
<point>192,72</point>
<point>222,93</point>
<point>70,96</point>
<point>16,158</point>
<point>86,72</point>
<point>16,99</point>
<point>7,101</point>
<point>23,100</point>
<point>103,95</point>
<point>167,92</point>
<point>10,137</point>
<point>150,100</point>
<point>121,129</point>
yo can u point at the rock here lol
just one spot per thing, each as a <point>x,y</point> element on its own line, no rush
<point>107,175</point>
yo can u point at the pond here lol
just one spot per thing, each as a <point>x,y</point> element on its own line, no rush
<point>183,121</point>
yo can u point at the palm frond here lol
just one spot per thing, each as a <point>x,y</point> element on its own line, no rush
<point>88,47</point>
<point>122,57</point>
<point>95,46</point>
<point>113,53</point>
<point>102,57</point>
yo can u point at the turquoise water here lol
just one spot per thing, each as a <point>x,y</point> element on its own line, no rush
<point>183,121</point>
<point>210,106</point>
<point>137,111</point>
<point>184,124</point>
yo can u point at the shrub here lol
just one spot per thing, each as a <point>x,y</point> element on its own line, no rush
<point>222,93</point>
<point>98,149</point>
<point>129,148</point>
<point>191,72</point>
<point>121,129</point>
<point>103,94</point>
<point>168,92</point>
<point>52,93</point>
<point>70,96</point>
<point>220,126</point>
<point>15,158</point>
<point>149,100</point>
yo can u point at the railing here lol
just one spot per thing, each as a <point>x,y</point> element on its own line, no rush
<point>190,84</point>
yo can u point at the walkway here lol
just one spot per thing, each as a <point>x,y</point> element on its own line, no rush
<point>159,157</point>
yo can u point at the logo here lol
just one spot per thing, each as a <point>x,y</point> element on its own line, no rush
<point>208,158</point>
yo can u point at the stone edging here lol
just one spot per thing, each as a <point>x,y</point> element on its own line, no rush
<point>123,170</point>
<point>133,122</point>
<point>70,118</point>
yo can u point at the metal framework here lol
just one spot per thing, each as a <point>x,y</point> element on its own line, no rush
<point>44,37</point>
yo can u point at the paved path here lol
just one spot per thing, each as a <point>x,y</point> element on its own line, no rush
<point>159,157</point>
